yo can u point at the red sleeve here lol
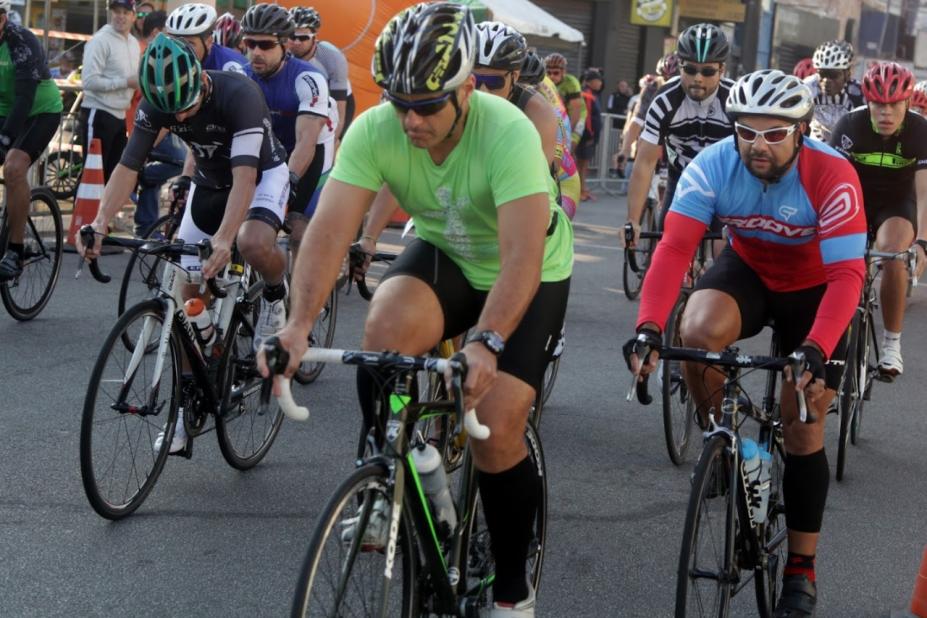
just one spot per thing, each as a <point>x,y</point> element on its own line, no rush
<point>844,282</point>
<point>681,235</point>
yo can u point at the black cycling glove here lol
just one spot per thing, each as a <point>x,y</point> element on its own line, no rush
<point>643,343</point>
<point>814,362</point>
<point>294,188</point>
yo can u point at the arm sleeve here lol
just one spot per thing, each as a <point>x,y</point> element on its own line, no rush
<point>22,105</point>
<point>136,151</point>
<point>681,235</point>
<point>246,123</point>
<point>338,76</point>
<point>842,233</point>
<point>92,74</point>
<point>312,92</point>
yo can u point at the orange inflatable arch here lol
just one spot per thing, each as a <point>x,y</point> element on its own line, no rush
<point>353,25</point>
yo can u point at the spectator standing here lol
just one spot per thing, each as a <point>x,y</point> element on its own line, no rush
<point>110,77</point>
<point>618,101</point>
<point>142,11</point>
<point>585,151</point>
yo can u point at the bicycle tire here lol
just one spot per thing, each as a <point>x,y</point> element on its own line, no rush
<point>167,225</point>
<point>678,404</point>
<point>353,493</point>
<point>44,243</point>
<point>849,397</point>
<point>61,172</point>
<point>550,377</point>
<point>632,279</point>
<point>322,336</point>
<point>106,505</point>
<point>715,456</point>
<point>244,430</point>
<point>868,362</point>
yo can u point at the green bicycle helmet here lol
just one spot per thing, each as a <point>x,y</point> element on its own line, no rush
<point>169,74</point>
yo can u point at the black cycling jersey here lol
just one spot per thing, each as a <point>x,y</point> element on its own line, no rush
<point>684,125</point>
<point>26,87</point>
<point>231,129</point>
<point>885,165</point>
<point>520,96</point>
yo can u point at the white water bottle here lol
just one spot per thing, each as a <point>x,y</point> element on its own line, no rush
<point>202,322</point>
<point>430,468</point>
<point>765,483</point>
<point>751,469</point>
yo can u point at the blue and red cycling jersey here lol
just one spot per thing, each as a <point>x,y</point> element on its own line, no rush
<point>805,230</point>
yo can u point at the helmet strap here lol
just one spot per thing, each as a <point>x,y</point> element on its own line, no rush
<point>458,113</point>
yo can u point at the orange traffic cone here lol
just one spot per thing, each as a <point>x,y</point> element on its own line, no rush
<point>919,596</point>
<point>87,202</point>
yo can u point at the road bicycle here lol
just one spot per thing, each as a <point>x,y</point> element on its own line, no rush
<point>735,528</point>
<point>863,354</point>
<point>418,564</point>
<point>43,242</point>
<point>138,390</point>
<point>637,256</point>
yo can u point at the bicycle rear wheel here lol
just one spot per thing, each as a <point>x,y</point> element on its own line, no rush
<point>773,535</point>
<point>867,359</point>
<point>322,336</point>
<point>707,571</point>
<point>124,410</point>
<point>142,275</point>
<point>633,278</point>
<point>26,296</point>
<point>678,405</point>
<point>849,396</point>
<point>341,576</point>
<point>244,428</point>
<point>61,172</point>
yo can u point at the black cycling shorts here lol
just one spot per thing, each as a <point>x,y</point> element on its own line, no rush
<point>585,150</point>
<point>530,347</point>
<point>878,213</point>
<point>792,313</point>
<point>38,132</point>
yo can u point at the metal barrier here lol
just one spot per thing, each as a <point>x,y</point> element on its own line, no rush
<point>597,175</point>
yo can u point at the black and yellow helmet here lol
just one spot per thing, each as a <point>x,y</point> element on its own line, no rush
<point>428,48</point>
<point>169,74</point>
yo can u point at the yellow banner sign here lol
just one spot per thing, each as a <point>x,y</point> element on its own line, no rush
<point>652,12</point>
<point>714,10</point>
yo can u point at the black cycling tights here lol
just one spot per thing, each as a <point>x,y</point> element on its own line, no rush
<point>804,485</point>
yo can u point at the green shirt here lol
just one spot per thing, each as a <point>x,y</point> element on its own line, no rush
<point>569,89</point>
<point>498,160</point>
<point>20,44</point>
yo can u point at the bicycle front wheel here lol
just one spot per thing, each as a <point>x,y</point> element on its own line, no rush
<point>678,404</point>
<point>26,296</point>
<point>633,278</point>
<point>343,572</point>
<point>245,429</point>
<point>707,571</point>
<point>125,408</point>
<point>849,396</point>
<point>322,336</point>
<point>867,359</point>
<point>774,538</point>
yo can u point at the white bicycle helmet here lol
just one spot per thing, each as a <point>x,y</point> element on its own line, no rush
<point>832,55</point>
<point>191,20</point>
<point>6,5</point>
<point>499,46</point>
<point>770,93</point>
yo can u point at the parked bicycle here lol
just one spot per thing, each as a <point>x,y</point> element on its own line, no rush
<point>137,391</point>
<point>27,295</point>
<point>735,527</point>
<point>862,361</point>
<point>383,545</point>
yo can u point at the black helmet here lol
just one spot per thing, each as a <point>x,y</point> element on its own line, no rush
<point>499,46</point>
<point>532,70</point>
<point>270,19</point>
<point>702,43</point>
<point>427,48</point>
<point>306,17</point>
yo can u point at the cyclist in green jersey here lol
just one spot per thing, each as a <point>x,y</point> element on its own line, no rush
<point>30,109</point>
<point>493,254</point>
<point>570,91</point>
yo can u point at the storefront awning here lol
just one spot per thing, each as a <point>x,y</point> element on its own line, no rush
<point>529,18</point>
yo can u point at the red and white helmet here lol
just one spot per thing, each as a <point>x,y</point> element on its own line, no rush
<point>668,66</point>
<point>919,97</point>
<point>803,68</point>
<point>887,82</point>
<point>227,31</point>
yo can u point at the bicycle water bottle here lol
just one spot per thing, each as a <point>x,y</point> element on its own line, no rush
<point>201,320</point>
<point>764,485</point>
<point>751,469</point>
<point>430,467</point>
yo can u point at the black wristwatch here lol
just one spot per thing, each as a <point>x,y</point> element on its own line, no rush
<point>922,243</point>
<point>489,338</point>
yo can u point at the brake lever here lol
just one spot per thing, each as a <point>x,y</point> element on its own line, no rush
<point>797,367</point>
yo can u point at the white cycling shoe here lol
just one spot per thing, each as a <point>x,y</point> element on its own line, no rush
<point>891,365</point>
<point>178,442</point>
<point>271,319</point>
<point>522,609</point>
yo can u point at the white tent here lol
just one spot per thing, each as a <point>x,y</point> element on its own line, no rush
<point>529,18</point>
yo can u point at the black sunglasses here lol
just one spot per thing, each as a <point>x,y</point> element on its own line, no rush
<point>424,107</point>
<point>492,82</point>
<point>830,73</point>
<point>690,69</point>
<point>264,45</point>
<point>303,37</point>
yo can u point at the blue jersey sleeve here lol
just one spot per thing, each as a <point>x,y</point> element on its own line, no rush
<point>700,185</point>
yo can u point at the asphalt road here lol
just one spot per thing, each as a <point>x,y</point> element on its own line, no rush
<point>211,541</point>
